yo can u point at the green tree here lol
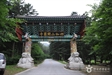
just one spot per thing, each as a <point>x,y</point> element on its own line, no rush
<point>7,31</point>
<point>37,52</point>
<point>19,7</point>
<point>74,13</point>
<point>99,32</point>
<point>60,50</point>
<point>45,49</point>
<point>7,25</point>
<point>87,52</point>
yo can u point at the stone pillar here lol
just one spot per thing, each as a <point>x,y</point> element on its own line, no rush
<point>75,62</point>
<point>73,44</point>
<point>28,44</point>
<point>26,61</point>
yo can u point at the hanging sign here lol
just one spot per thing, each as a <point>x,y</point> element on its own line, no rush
<point>51,33</point>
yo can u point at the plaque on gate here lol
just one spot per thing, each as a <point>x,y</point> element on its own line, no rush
<point>51,33</point>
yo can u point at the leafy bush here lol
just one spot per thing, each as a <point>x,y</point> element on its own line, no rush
<point>37,53</point>
<point>12,60</point>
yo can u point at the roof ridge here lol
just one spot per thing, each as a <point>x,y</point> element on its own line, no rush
<point>76,16</point>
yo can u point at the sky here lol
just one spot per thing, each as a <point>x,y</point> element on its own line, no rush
<point>61,7</point>
<point>46,43</point>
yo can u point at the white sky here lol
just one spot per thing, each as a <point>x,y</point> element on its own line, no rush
<point>61,7</point>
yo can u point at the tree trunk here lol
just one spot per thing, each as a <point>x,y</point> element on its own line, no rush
<point>101,59</point>
<point>13,47</point>
<point>23,48</point>
<point>95,59</point>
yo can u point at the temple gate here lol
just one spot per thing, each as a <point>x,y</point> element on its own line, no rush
<point>55,28</point>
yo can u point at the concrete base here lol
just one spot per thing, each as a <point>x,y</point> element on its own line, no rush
<point>26,61</point>
<point>75,62</point>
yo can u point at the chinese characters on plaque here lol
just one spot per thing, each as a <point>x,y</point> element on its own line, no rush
<point>51,33</point>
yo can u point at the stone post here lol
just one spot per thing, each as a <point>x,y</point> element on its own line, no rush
<point>26,61</point>
<point>28,44</point>
<point>73,44</point>
<point>75,62</point>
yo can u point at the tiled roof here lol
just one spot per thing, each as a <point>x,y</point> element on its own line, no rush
<point>55,17</point>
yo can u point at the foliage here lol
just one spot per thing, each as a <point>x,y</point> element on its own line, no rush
<point>63,62</point>
<point>98,34</point>
<point>7,25</point>
<point>36,52</point>
<point>12,54</point>
<point>45,48</point>
<point>84,50</point>
<point>74,13</point>
<point>60,50</point>
<point>13,60</point>
<point>19,7</point>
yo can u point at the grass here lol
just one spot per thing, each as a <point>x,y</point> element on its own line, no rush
<point>38,62</point>
<point>13,69</point>
<point>63,62</point>
<point>98,62</point>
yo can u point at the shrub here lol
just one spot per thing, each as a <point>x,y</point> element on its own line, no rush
<point>12,60</point>
<point>37,53</point>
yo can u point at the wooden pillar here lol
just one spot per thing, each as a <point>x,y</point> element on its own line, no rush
<point>68,29</point>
